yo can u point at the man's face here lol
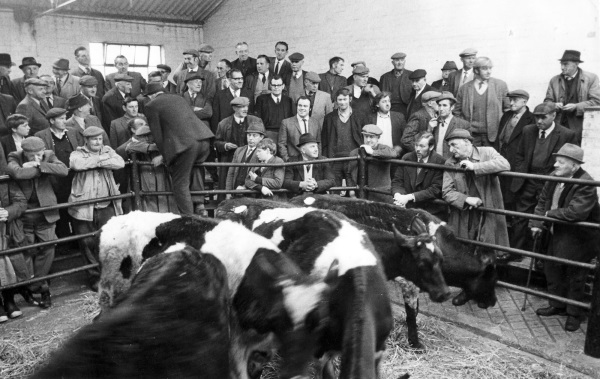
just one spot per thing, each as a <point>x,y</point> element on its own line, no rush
<point>131,109</point>
<point>83,57</point>
<point>422,148</point>
<point>517,103</point>
<point>5,70</point>
<point>155,79</point>
<point>138,123</point>
<point>343,102</point>
<point>469,61</point>
<point>277,87</point>
<point>237,80</point>
<point>89,91</point>
<point>222,69</point>
<point>122,65</point>
<point>297,65</point>
<point>361,80</point>
<point>242,52</point>
<point>485,72</point>
<point>240,112</point>
<point>22,130</point>
<point>433,105</point>
<point>190,60</point>
<point>37,92</point>
<point>34,156</point>
<point>565,167</point>
<point>59,122</point>
<point>51,84</point>
<point>261,65</point>
<point>84,110</point>
<point>460,148</point>
<point>545,121</point>
<point>31,71</point>
<point>310,86</point>
<point>384,105</point>
<point>310,150</point>
<point>164,74</point>
<point>338,67</point>
<point>94,144</point>
<point>446,73</point>
<point>59,73</point>
<point>371,140</point>
<point>124,86</point>
<point>195,85</point>
<point>303,108</point>
<point>280,52</point>
<point>399,63</point>
<point>263,154</point>
<point>445,108</point>
<point>568,68</point>
<point>418,84</point>
<point>206,57</point>
<point>254,139</point>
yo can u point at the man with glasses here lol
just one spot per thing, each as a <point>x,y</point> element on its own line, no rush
<point>274,107</point>
<point>168,85</point>
<point>221,103</point>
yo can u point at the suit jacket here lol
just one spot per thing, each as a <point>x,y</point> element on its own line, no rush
<point>263,105</point>
<point>239,156</point>
<point>417,123</point>
<point>8,145</point>
<point>329,134</point>
<point>174,125</point>
<point>455,123</point>
<point>559,136</point>
<point>18,86</point>
<point>98,111</point>
<point>200,101</point>
<point>7,87</point>
<point>331,84</point>
<point>35,113</point>
<point>57,102</point>
<point>248,67</point>
<point>398,126</point>
<point>137,86</point>
<point>77,71</point>
<point>320,107</point>
<point>322,174</point>
<point>387,82</point>
<point>363,104</point>
<point>251,80</point>
<point>209,86</point>
<point>170,87</point>
<point>90,120</point>
<point>69,88</point>
<point>454,81</point>
<point>119,133</point>
<point>38,177</point>
<point>270,177</point>
<point>113,105</point>
<point>588,91</point>
<point>510,149</point>
<point>415,103</point>
<point>289,136</point>
<point>285,71</point>
<point>497,102</point>
<point>439,85</point>
<point>222,107</point>
<point>425,186</point>
<point>224,133</point>
<point>46,136</point>
<point>8,106</point>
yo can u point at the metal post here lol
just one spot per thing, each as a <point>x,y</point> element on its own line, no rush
<point>592,336</point>
<point>361,179</point>
<point>135,179</point>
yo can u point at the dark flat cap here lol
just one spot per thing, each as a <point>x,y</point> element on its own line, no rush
<point>306,138</point>
<point>459,133</point>
<point>33,144</point>
<point>256,127</point>
<point>194,77</point>
<point>360,70</point>
<point>468,52</point>
<point>143,130</point>
<point>92,131</point>
<point>240,101</point>
<point>6,60</point>
<point>399,56</point>
<point>296,57</point>
<point>163,67</point>
<point>206,48</point>
<point>449,65</point>
<point>123,78</point>
<point>88,81</point>
<point>417,74</point>
<point>446,95</point>
<point>571,55</point>
<point>61,64</point>
<point>544,108</point>
<point>55,112</point>
<point>193,52</point>
<point>572,151</point>
<point>313,77</point>
<point>519,93</point>
<point>29,61</point>
<point>154,87</point>
<point>429,95</point>
<point>76,101</point>
<point>35,82</point>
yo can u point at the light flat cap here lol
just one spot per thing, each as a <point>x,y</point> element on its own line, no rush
<point>206,48</point>
<point>313,77</point>
<point>33,144</point>
<point>446,95</point>
<point>429,95</point>
<point>240,102</point>
<point>358,63</point>
<point>399,56</point>
<point>544,108</point>
<point>88,81</point>
<point>372,129</point>
<point>519,93</point>
<point>459,133</point>
<point>55,112</point>
<point>92,131</point>
<point>143,130</point>
<point>193,52</point>
<point>35,82</point>
<point>468,52</point>
<point>360,70</point>
<point>296,57</point>
<point>123,78</point>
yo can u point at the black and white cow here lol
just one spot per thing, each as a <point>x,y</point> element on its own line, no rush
<point>171,323</point>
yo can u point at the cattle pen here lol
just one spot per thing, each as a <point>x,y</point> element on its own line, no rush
<point>136,195</point>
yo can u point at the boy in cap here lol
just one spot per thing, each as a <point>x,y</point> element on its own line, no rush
<point>236,176</point>
<point>93,164</point>
<point>32,168</point>
<point>397,83</point>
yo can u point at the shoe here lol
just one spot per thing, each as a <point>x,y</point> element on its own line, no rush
<point>46,300</point>
<point>3,316</point>
<point>551,311</point>
<point>573,323</point>
<point>28,296</point>
<point>12,311</point>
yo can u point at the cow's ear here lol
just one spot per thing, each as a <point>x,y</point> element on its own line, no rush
<point>403,240</point>
<point>332,273</point>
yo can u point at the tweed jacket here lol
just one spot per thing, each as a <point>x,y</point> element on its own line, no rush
<point>90,120</point>
<point>119,133</point>
<point>588,91</point>
<point>329,134</point>
<point>209,85</point>
<point>113,105</point>
<point>415,103</point>
<point>439,85</point>
<point>321,173</point>
<point>331,83</point>
<point>46,136</point>
<point>387,81</point>
<point>238,156</point>
<point>454,81</point>
<point>69,88</point>
<point>270,177</point>
<point>418,122</point>
<point>137,86</point>
<point>378,171</point>
<point>77,71</point>
<point>224,135</point>
<point>8,106</point>
<point>247,67</point>
<point>200,101</point>
<point>289,136</point>
<point>18,86</point>
<point>35,113</point>
<point>251,80</point>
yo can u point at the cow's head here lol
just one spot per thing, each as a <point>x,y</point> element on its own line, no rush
<point>427,257</point>
<point>275,296</point>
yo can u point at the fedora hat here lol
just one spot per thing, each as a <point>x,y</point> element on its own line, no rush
<point>571,55</point>
<point>29,61</point>
<point>572,151</point>
<point>307,138</point>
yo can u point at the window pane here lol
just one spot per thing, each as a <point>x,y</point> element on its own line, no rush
<point>97,54</point>
<point>129,52</point>
<point>141,55</point>
<point>155,58</point>
<point>142,70</point>
<point>111,52</point>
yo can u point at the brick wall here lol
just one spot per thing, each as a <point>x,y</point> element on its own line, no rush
<point>523,38</point>
<point>591,141</point>
<point>54,36</point>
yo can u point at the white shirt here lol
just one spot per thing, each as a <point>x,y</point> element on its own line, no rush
<point>235,93</point>
<point>276,99</point>
<point>58,133</point>
<point>481,86</point>
<point>165,83</point>
<point>238,120</point>
<point>357,91</point>
<point>85,69</point>
<point>307,170</point>
<point>384,122</point>
<point>443,128</point>
<point>548,131</point>
<point>301,123</point>
<point>18,143</point>
<point>298,74</point>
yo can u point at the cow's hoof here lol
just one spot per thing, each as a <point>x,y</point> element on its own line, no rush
<point>460,299</point>
<point>417,347</point>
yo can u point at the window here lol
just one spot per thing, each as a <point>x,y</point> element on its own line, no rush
<point>141,58</point>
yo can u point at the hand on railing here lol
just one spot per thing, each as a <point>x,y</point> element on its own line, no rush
<point>535,232</point>
<point>3,214</point>
<point>474,202</point>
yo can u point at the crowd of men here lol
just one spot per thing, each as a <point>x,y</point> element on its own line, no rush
<point>65,137</point>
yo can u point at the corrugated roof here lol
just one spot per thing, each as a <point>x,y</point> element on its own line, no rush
<point>180,11</point>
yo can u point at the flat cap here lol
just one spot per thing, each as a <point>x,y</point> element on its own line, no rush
<point>55,112</point>
<point>449,65</point>
<point>33,144</point>
<point>313,77</point>
<point>399,56</point>
<point>544,108</point>
<point>35,82</point>
<point>194,77</point>
<point>446,95</point>
<point>61,64</point>
<point>143,130</point>
<point>429,95</point>
<point>468,52</point>
<point>306,138</point>
<point>519,93</point>
<point>296,57</point>
<point>193,52</point>
<point>572,151</point>
<point>123,78</point>
<point>417,74</point>
<point>256,127</point>
<point>360,70</point>
<point>372,129</point>
<point>358,63</point>
<point>240,101</point>
<point>88,81</point>
<point>76,101</point>
<point>206,48</point>
<point>459,133</point>
<point>163,67</point>
<point>92,131</point>
<point>154,87</point>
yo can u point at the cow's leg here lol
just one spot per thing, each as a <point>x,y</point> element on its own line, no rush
<point>324,368</point>
<point>460,299</point>
<point>410,293</point>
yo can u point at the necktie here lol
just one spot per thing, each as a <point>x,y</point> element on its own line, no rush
<point>464,78</point>
<point>44,106</point>
<point>543,134</point>
<point>264,79</point>
<point>277,100</point>
<point>419,168</point>
<point>249,153</point>
<point>58,85</point>
<point>305,126</point>
<point>480,85</point>
<point>277,67</point>
<point>49,100</point>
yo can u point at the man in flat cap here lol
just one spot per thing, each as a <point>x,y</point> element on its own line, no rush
<point>444,84</point>
<point>445,123</point>
<point>93,164</point>
<point>165,72</point>
<point>191,66</point>
<point>293,127</point>
<point>481,102</point>
<point>571,202</point>
<point>419,121</point>
<point>535,155</point>
<point>274,107</point>
<point>472,187</point>
<point>113,99</point>
<point>201,106</point>
<point>6,64</point>
<point>66,85</point>
<point>397,83</point>
<point>320,102</point>
<point>34,106</point>
<point>419,84</point>
<point>461,77</point>
<point>295,85</point>
<point>279,65</point>
<point>82,56</point>
<point>138,83</point>
<point>370,79</point>
<point>259,83</point>
<point>119,130</point>
<point>205,53</point>
<point>33,168</point>
<point>333,80</point>
<point>79,108</point>
<point>30,69</point>
<point>182,139</point>
<point>361,92</point>
<point>89,88</point>
<point>572,91</point>
<point>244,63</point>
<point>222,101</point>
<point>52,100</point>
<point>236,176</point>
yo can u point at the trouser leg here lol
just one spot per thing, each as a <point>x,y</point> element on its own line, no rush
<point>575,279</point>
<point>197,173</point>
<point>557,283</point>
<point>37,229</point>
<point>181,168</point>
<point>525,202</point>
<point>88,246</point>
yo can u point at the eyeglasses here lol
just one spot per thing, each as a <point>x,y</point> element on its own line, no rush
<point>276,85</point>
<point>237,78</point>
<point>163,71</point>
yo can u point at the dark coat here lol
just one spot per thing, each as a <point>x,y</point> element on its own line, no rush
<point>251,80</point>
<point>454,81</point>
<point>34,113</point>
<point>137,86</point>
<point>265,102</point>
<point>174,125</point>
<point>222,107</point>
<point>224,133</point>
<point>7,87</point>
<point>418,122</point>
<point>90,120</point>
<point>455,123</point>
<point>270,177</point>
<point>559,136</point>
<point>58,102</point>
<point>322,173</point>
<point>98,111</point>
<point>77,71</point>
<point>577,202</point>
<point>46,136</point>
<point>113,105</point>
<point>329,134</point>
<point>18,86</point>
<point>426,186</point>
<point>8,145</point>
<point>209,85</point>
<point>398,126</point>
<point>439,85</point>
<point>247,68</point>
<point>200,101</point>
<point>415,103</point>
<point>285,71</point>
<point>8,106</point>
<point>387,81</point>
<point>331,83</point>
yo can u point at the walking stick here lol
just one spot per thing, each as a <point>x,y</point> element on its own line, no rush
<point>536,243</point>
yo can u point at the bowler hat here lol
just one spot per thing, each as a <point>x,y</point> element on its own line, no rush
<point>29,61</point>
<point>572,151</point>
<point>417,74</point>
<point>544,108</point>
<point>571,55</point>
<point>206,48</point>
<point>55,112</point>
<point>296,57</point>
<point>92,131</point>
<point>449,65</point>
<point>446,95</point>
<point>429,95</point>
<point>33,144</point>
<point>61,64</point>
<point>372,129</point>
<point>123,78</point>
<point>518,93</point>
<point>194,76</point>
<point>142,130</point>
<point>35,82</point>
<point>6,60</point>
<point>88,81</point>
<point>240,101</point>
<point>256,127</point>
<point>360,70</point>
<point>468,52</point>
<point>76,101</point>
<point>154,87</point>
<point>306,138</point>
<point>163,67</point>
<point>399,56</point>
<point>459,133</point>
<point>313,77</point>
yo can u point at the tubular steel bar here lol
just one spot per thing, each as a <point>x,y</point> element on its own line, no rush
<point>76,203</point>
<point>47,243</point>
<point>592,336</point>
<point>543,295</point>
<point>361,179</point>
<point>51,276</point>
<point>135,183</point>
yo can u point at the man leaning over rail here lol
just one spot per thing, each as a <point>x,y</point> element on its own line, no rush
<point>569,202</point>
